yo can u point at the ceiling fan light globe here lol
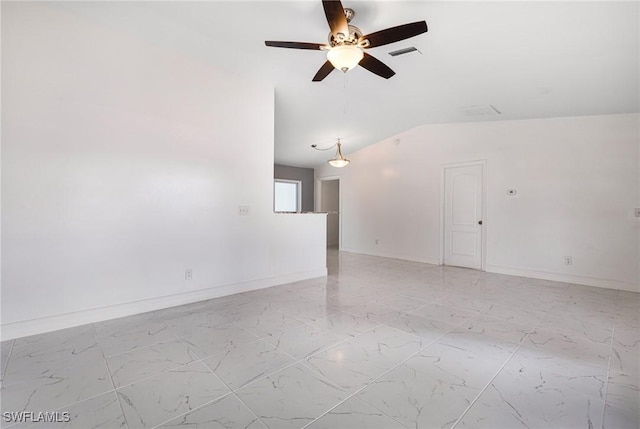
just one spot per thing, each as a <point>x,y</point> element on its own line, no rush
<point>345,57</point>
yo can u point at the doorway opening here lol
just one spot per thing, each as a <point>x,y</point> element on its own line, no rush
<point>328,201</point>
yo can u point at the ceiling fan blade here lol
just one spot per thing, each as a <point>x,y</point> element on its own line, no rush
<point>324,71</point>
<point>336,18</point>
<point>295,45</point>
<point>395,34</point>
<point>376,66</point>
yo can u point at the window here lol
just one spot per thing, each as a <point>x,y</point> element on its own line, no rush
<point>287,195</point>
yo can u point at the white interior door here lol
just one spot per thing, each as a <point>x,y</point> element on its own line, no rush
<point>463,216</point>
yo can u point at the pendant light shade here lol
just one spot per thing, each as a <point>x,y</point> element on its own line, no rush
<point>339,161</point>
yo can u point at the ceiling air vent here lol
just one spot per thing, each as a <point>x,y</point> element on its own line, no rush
<point>480,111</point>
<point>404,51</point>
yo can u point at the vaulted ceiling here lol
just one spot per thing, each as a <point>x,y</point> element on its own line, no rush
<point>479,61</point>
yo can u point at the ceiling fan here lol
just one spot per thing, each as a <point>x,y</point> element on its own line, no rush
<point>347,43</point>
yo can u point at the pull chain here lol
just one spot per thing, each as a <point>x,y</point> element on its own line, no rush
<point>346,100</point>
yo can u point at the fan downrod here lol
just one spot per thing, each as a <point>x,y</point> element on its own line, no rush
<point>349,14</point>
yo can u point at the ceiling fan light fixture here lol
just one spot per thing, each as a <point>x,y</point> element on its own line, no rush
<point>345,57</point>
<point>339,161</point>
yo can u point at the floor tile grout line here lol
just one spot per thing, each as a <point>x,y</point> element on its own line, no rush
<point>175,337</point>
<point>142,348</point>
<point>136,348</point>
<point>367,384</point>
<point>297,361</point>
<point>250,330</point>
<point>363,317</point>
<point>606,386</point>
<point>4,370</point>
<point>202,359</point>
<point>230,392</point>
<point>258,337</point>
<point>352,395</point>
<point>161,372</point>
<point>192,410</point>
<point>233,392</point>
<point>492,378</point>
<point>71,404</point>
<point>320,350</point>
<point>95,335</point>
<point>206,403</point>
<point>115,392</point>
<point>338,311</point>
<point>68,405</point>
<point>248,408</point>
<point>198,359</point>
<point>3,373</point>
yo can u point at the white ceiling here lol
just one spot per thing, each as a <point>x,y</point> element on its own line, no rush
<point>527,59</point>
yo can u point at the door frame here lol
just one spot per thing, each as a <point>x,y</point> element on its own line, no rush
<point>318,201</point>
<point>483,232</point>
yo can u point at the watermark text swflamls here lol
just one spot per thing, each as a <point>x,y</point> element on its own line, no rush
<point>36,416</point>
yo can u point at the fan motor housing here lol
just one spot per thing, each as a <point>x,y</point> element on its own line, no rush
<point>354,32</point>
<point>354,35</point>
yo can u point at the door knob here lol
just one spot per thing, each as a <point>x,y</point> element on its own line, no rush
<point>479,222</point>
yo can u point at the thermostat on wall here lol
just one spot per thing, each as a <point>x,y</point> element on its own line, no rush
<point>512,192</point>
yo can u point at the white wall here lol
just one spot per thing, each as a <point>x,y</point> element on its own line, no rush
<point>123,164</point>
<point>577,181</point>
<point>331,204</point>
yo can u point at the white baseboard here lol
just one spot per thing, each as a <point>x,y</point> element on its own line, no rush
<point>68,320</point>
<point>393,256</point>
<point>565,278</point>
<point>521,272</point>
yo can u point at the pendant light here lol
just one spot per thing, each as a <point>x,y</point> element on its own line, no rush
<point>338,160</point>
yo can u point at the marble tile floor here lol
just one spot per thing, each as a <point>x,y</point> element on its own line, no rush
<point>379,343</point>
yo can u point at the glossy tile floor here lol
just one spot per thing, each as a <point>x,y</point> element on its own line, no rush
<point>380,343</point>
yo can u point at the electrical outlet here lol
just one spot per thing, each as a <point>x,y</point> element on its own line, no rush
<point>243,210</point>
<point>637,212</point>
<point>377,241</point>
<point>188,274</point>
<point>568,260</point>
